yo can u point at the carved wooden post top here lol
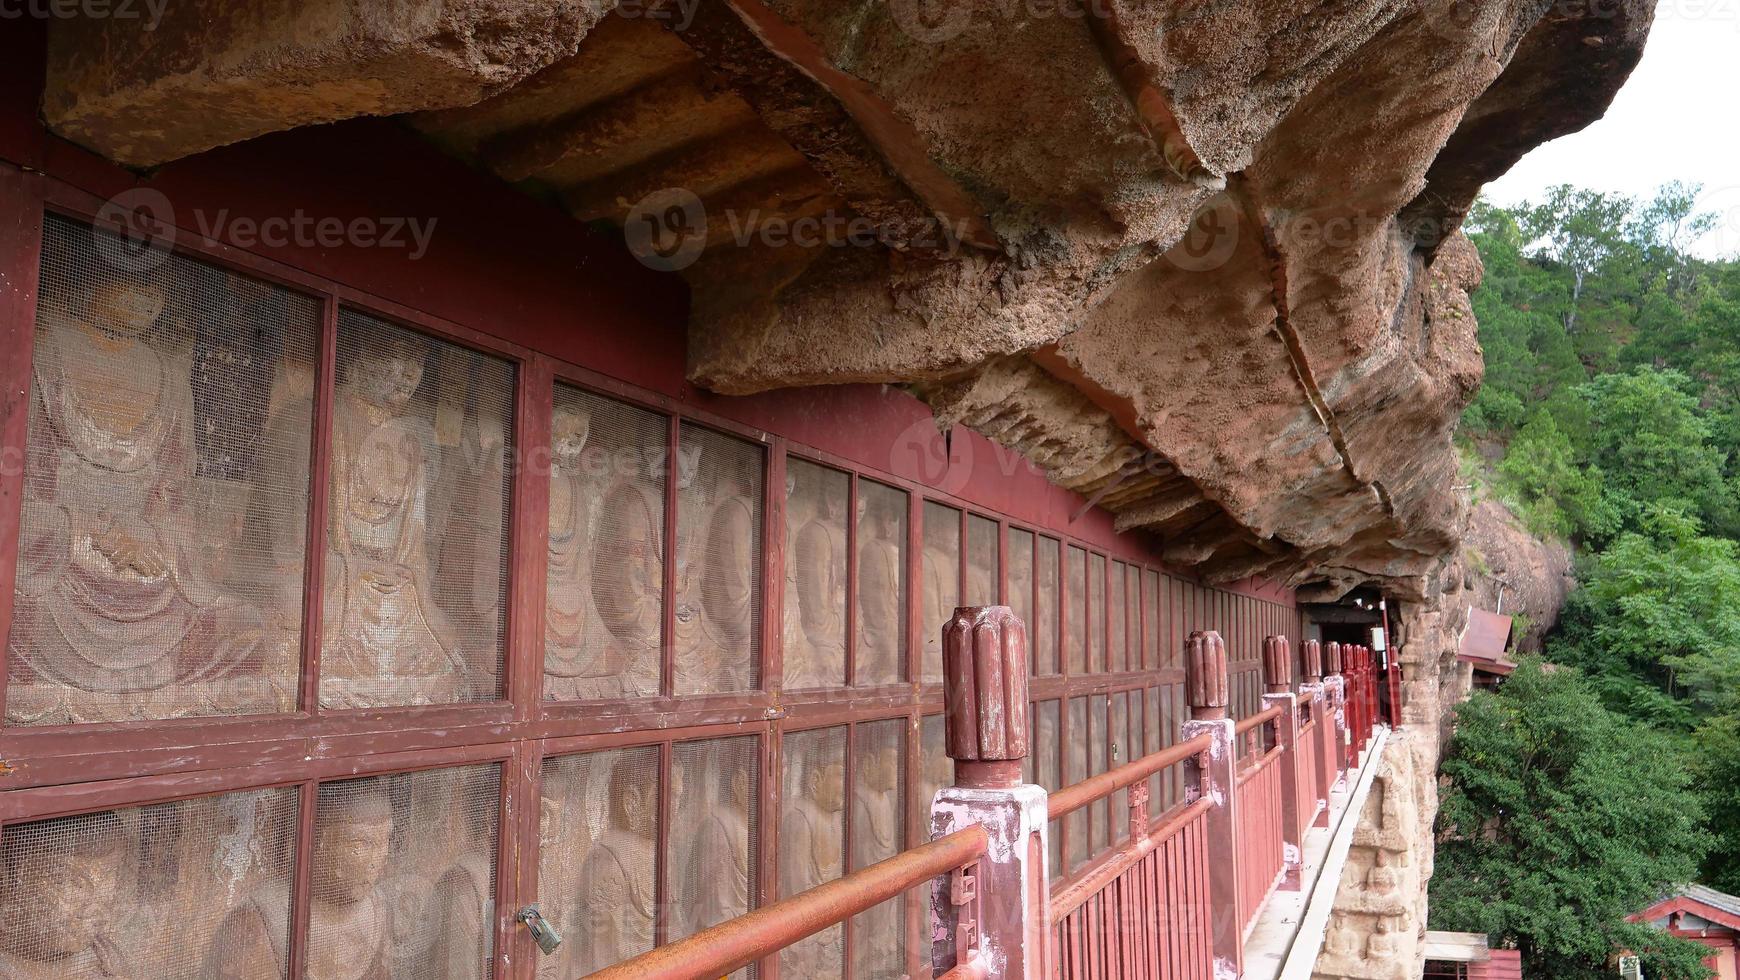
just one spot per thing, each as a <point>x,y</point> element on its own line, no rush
<point>1333,651</point>
<point>1205,675</point>
<point>1313,661</point>
<point>1277,664</point>
<point>985,695</point>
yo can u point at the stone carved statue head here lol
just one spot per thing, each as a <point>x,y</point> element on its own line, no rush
<point>59,889</point>
<point>633,798</point>
<point>880,768</point>
<point>388,371</point>
<point>125,306</point>
<point>570,427</point>
<point>825,785</point>
<point>352,841</point>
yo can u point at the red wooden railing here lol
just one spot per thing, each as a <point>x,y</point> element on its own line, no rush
<point>1174,898</point>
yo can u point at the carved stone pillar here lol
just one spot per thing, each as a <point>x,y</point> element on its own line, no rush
<point>1212,775</point>
<point>1314,694</point>
<point>1277,665</point>
<point>1287,740</point>
<point>1003,905</point>
<point>1335,696</point>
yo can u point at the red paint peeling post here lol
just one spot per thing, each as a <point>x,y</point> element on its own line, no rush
<point>1278,675</point>
<point>1316,693</point>
<point>1206,688</point>
<point>1335,687</point>
<point>993,919</point>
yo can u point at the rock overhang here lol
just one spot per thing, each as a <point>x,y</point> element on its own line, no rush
<point>1201,266</point>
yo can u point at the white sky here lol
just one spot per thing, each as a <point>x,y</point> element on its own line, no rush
<point>1676,119</point>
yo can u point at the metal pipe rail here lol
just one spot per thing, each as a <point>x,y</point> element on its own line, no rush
<point>730,946</point>
<point>1095,788</point>
<point>1262,717</point>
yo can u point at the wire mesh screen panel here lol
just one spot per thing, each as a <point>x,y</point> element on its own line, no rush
<point>1099,741</point>
<point>417,518</point>
<point>1151,622</point>
<point>1042,634</point>
<point>597,857</point>
<point>1121,752</point>
<point>1096,612</point>
<point>1117,633</point>
<point>1133,615</point>
<point>1044,758</point>
<point>604,595</point>
<point>982,585</point>
<point>936,769</point>
<point>403,879</point>
<point>718,614</point>
<point>878,822</point>
<point>812,840</point>
<point>149,890</point>
<point>880,657</point>
<point>1075,616</point>
<point>1075,769</point>
<point>815,575</point>
<point>1019,570</point>
<point>714,793</point>
<point>168,448</point>
<point>942,579</point>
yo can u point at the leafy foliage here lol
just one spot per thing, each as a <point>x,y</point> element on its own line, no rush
<point>1561,819</point>
<point>1610,417</point>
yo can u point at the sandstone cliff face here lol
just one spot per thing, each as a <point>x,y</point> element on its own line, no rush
<point>1213,248</point>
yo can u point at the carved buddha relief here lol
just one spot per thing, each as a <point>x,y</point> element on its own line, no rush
<point>575,665</point>
<point>628,572</point>
<point>718,551</point>
<point>564,843</point>
<point>617,879</point>
<point>58,903</point>
<point>815,595</point>
<point>442,886</point>
<point>719,878</point>
<point>351,926</point>
<point>121,612</point>
<point>881,583</point>
<point>876,835</point>
<point>941,580</point>
<point>386,641</point>
<point>811,844</point>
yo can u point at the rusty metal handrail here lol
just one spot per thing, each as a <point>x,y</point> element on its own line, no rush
<point>1073,798</point>
<point>730,946</point>
<point>1262,717</point>
<point>1074,894</point>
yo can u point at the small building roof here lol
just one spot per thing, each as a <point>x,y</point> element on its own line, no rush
<point>1483,641</point>
<point>1700,900</point>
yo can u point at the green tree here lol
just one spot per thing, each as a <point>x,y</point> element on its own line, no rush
<point>1650,440</point>
<point>1561,818</point>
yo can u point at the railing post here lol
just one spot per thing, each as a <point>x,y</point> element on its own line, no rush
<point>1336,684</point>
<point>999,912</point>
<point>1278,674</point>
<point>1206,688</point>
<point>1313,691</point>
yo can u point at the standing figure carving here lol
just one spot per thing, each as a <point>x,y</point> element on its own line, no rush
<point>717,530</point>
<point>58,904</point>
<point>616,882</point>
<point>815,627</point>
<point>942,591</point>
<point>628,576</point>
<point>881,589</point>
<point>116,616</point>
<point>810,855</point>
<point>721,875</point>
<point>351,927</point>
<point>575,640</point>
<point>564,843</point>
<point>876,818</point>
